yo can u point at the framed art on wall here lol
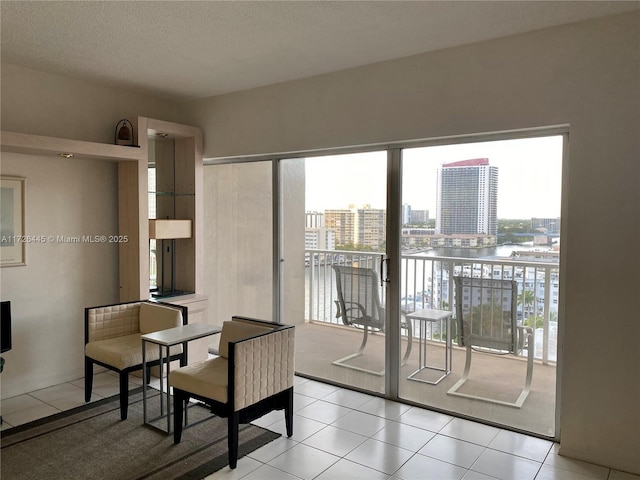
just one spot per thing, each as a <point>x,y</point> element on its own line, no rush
<point>12,236</point>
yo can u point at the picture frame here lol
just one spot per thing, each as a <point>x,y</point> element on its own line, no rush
<point>12,220</point>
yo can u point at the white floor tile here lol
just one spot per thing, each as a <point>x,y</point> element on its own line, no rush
<point>361,423</point>
<point>19,402</point>
<point>421,418</point>
<point>271,450</point>
<point>57,392</point>
<point>75,399</point>
<point>345,469</point>
<point>301,401</point>
<point>341,434</point>
<point>324,412</point>
<point>335,440</point>
<point>29,414</point>
<point>380,456</point>
<point>404,436</point>
<point>506,466</point>
<point>384,408</point>
<point>269,419</point>
<point>302,427</point>
<point>347,398</point>
<point>471,475</point>
<point>314,389</point>
<point>420,467</point>
<point>521,445</point>
<point>266,472</point>
<point>303,461</point>
<point>470,431</point>
<point>452,450</point>
<point>245,466</point>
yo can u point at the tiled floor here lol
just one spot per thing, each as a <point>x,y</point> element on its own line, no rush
<point>340,435</point>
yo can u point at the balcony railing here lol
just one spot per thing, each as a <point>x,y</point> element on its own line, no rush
<point>427,282</point>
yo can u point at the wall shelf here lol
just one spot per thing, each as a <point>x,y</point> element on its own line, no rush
<point>40,145</point>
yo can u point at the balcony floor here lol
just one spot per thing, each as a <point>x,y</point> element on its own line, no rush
<point>496,376</point>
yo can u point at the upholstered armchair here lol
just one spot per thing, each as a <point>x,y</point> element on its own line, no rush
<point>112,340</point>
<point>252,376</point>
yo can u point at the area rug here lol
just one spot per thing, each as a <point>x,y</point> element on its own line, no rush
<point>92,442</point>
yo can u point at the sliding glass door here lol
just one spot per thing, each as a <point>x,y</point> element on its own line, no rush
<point>334,238</point>
<point>389,261</point>
<point>480,276</point>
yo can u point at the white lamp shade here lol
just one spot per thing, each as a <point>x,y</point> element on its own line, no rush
<point>160,229</point>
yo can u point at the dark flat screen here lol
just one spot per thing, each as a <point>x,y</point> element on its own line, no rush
<point>5,326</point>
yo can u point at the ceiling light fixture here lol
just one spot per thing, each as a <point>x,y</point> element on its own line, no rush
<point>65,155</point>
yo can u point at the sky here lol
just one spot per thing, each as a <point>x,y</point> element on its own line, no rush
<point>529,176</point>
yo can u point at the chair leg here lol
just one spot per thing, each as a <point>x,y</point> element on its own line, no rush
<point>124,395</point>
<point>234,422</point>
<point>179,401</point>
<point>288,413</point>
<point>409,327</point>
<point>88,378</point>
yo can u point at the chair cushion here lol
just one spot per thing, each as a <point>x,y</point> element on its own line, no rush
<point>208,379</point>
<point>232,331</point>
<point>113,321</point>
<point>155,317</point>
<point>124,352</point>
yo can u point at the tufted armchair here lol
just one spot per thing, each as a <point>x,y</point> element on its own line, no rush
<point>252,376</point>
<point>112,340</point>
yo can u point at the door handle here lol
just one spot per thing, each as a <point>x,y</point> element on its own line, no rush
<point>384,272</point>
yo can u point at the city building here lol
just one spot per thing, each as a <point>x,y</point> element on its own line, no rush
<point>546,225</point>
<point>467,198</point>
<point>419,217</point>
<point>342,223</point>
<point>320,238</point>
<point>406,213</point>
<point>314,219</point>
<point>370,226</point>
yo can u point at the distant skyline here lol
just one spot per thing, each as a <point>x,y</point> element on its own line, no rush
<point>529,176</point>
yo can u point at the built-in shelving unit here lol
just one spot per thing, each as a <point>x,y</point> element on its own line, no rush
<point>175,152</point>
<point>41,145</point>
<point>181,170</point>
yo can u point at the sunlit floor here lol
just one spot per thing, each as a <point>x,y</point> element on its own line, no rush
<point>495,376</point>
<point>340,434</point>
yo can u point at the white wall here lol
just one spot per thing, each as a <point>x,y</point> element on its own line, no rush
<point>55,106</point>
<point>64,197</point>
<point>585,75</point>
<point>238,242</point>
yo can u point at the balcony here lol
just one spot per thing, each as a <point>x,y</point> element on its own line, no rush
<point>427,282</point>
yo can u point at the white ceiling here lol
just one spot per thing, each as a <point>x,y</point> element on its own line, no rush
<point>185,50</point>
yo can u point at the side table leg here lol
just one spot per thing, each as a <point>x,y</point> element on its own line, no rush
<point>168,390</point>
<point>144,382</point>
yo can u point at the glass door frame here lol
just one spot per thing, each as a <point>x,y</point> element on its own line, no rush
<point>394,229</point>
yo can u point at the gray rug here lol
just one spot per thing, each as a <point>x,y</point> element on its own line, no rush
<point>91,442</point>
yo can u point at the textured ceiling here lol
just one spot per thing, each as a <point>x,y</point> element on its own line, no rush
<point>185,50</point>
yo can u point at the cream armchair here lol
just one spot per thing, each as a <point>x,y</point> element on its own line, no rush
<point>252,376</point>
<point>112,340</point>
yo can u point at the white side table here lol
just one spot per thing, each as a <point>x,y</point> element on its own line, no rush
<point>431,315</point>
<point>165,339</point>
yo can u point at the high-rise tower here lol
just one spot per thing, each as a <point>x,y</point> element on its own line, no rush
<point>467,198</point>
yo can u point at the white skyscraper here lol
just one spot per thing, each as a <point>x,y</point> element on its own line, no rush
<point>467,198</point>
